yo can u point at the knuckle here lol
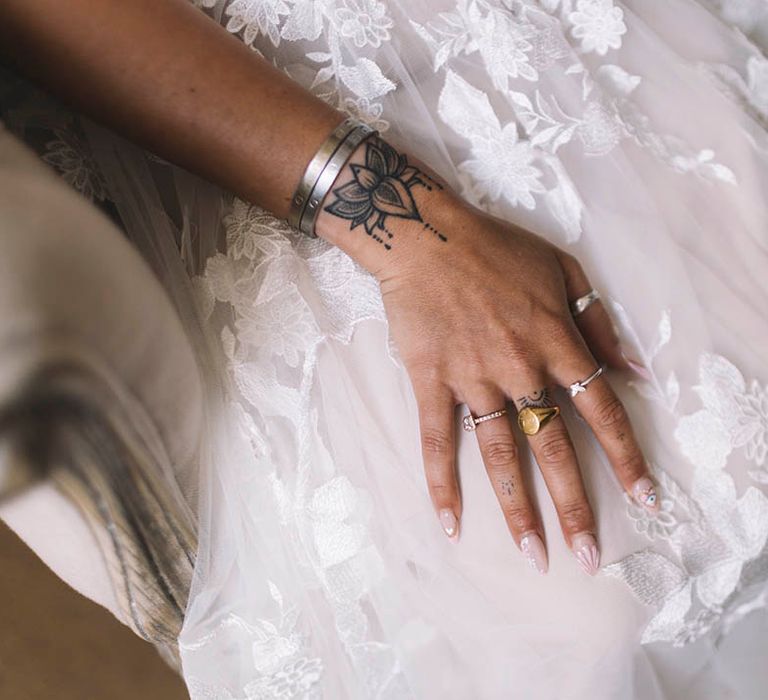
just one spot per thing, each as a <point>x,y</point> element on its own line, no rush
<point>500,453</point>
<point>555,449</point>
<point>520,518</point>
<point>610,414</point>
<point>576,516</point>
<point>435,442</point>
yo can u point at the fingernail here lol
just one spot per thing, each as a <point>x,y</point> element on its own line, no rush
<point>450,523</point>
<point>585,549</point>
<point>644,492</point>
<point>639,369</point>
<point>535,552</point>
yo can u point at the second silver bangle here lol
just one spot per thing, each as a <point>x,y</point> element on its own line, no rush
<point>328,175</point>
<point>315,168</point>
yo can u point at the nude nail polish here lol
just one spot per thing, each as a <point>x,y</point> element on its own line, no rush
<point>586,551</point>
<point>450,523</point>
<point>644,492</point>
<point>535,552</point>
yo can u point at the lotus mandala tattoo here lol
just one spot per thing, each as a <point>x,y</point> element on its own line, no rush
<point>381,188</point>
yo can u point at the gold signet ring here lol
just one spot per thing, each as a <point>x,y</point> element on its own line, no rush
<point>533,418</point>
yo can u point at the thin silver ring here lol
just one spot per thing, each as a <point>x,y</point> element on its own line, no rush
<point>580,387</point>
<point>471,422</point>
<point>580,305</point>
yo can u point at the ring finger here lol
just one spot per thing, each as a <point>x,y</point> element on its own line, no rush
<point>500,455</point>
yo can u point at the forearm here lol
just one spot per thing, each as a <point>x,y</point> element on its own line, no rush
<point>166,76</point>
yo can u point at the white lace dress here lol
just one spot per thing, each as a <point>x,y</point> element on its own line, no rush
<point>634,135</point>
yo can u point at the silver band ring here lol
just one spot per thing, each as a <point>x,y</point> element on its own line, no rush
<point>471,422</point>
<point>580,305</point>
<point>580,387</point>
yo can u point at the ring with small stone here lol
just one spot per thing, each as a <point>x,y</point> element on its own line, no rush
<point>471,422</point>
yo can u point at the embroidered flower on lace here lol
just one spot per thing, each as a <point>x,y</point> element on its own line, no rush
<point>280,654</point>
<point>653,526</point>
<point>735,415</point>
<point>598,24</point>
<point>294,680</point>
<point>67,154</point>
<point>501,163</point>
<point>549,46</point>
<point>283,325</point>
<point>505,43</point>
<point>255,17</point>
<point>452,35</point>
<point>364,21</point>
<point>505,46</point>
<point>369,112</point>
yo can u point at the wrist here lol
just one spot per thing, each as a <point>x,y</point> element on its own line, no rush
<point>387,210</point>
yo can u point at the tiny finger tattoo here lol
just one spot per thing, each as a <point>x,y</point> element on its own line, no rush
<point>538,399</point>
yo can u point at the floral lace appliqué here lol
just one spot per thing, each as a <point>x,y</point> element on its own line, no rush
<point>67,154</point>
<point>716,536</point>
<point>284,671</point>
<point>598,24</point>
<point>734,416</point>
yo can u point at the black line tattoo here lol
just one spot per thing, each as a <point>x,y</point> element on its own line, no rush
<point>507,486</point>
<point>538,399</point>
<point>381,188</point>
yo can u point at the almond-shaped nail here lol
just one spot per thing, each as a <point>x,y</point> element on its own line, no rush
<point>586,551</point>
<point>639,369</point>
<point>450,523</point>
<point>644,492</point>
<point>535,552</point>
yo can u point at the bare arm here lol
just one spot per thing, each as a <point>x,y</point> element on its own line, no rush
<point>166,76</point>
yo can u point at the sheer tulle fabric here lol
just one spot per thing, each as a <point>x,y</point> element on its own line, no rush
<point>632,134</point>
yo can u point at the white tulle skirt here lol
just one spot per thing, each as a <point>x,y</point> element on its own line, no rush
<point>633,134</point>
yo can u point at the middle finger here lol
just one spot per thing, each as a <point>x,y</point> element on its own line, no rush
<point>552,447</point>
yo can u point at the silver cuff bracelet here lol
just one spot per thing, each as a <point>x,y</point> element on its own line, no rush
<point>322,171</point>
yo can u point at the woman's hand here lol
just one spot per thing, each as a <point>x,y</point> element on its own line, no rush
<point>479,311</point>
